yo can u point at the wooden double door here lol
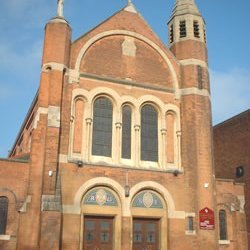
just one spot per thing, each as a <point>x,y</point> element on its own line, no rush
<point>98,233</point>
<point>145,234</point>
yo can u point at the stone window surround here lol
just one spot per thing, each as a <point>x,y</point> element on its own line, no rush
<point>118,102</point>
<point>4,237</point>
<point>224,242</point>
<point>229,221</point>
<point>190,232</point>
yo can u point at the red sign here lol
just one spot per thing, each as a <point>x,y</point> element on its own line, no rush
<point>206,219</point>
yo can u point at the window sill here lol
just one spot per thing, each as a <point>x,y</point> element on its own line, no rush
<point>224,242</point>
<point>4,237</point>
<point>128,164</point>
<point>190,232</point>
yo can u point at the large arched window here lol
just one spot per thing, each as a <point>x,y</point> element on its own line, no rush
<point>102,127</point>
<point>3,214</point>
<point>223,224</point>
<point>126,132</point>
<point>149,133</point>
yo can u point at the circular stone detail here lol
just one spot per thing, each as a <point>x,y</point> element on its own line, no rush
<point>148,199</point>
<point>101,197</point>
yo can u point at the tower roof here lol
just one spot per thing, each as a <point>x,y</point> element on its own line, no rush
<point>183,7</point>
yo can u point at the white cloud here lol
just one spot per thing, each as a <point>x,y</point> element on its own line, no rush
<point>230,93</point>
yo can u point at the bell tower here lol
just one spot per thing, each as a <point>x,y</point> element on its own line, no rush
<point>187,41</point>
<point>186,28</point>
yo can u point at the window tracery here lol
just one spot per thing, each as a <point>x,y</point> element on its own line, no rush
<point>105,128</point>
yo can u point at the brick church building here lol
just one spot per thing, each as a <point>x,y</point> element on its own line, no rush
<point>116,152</point>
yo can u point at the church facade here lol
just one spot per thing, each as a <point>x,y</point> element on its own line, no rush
<point>116,149</point>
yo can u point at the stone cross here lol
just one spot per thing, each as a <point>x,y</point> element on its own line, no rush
<point>60,4</point>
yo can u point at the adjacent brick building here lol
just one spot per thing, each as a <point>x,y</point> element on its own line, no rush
<point>116,149</point>
<point>232,153</point>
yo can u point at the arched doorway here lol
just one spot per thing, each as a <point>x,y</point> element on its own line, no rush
<point>149,227</point>
<point>100,220</point>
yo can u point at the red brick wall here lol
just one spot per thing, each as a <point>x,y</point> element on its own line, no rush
<point>227,196</point>
<point>232,149</point>
<point>13,185</point>
<point>105,58</point>
<point>123,20</point>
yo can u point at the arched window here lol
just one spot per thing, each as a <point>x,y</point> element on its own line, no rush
<point>3,214</point>
<point>149,133</point>
<point>102,127</point>
<point>126,132</point>
<point>223,224</point>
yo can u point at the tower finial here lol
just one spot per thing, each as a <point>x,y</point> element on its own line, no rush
<point>130,7</point>
<point>60,4</point>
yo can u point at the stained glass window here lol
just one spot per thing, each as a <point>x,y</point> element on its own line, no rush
<point>102,127</point>
<point>100,196</point>
<point>126,132</point>
<point>147,199</point>
<point>3,214</point>
<point>223,224</point>
<point>149,134</point>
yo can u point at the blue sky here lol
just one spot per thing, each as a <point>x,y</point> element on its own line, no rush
<point>22,25</point>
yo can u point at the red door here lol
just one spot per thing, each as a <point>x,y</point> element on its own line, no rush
<point>98,233</point>
<point>145,234</point>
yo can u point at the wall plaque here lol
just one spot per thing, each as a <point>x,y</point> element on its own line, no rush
<point>206,219</point>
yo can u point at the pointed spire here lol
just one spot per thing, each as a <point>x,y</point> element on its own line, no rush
<point>185,7</point>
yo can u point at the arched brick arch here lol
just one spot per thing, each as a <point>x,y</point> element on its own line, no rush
<point>135,35</point>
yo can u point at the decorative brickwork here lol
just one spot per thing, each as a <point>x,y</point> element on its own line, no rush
<point>118,143</point>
